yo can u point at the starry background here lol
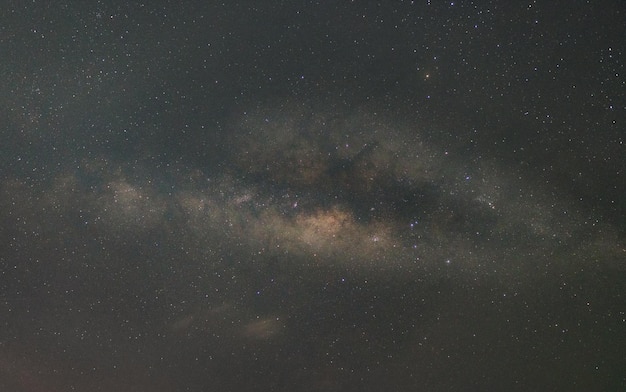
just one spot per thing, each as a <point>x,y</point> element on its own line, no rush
<point>312,196</point>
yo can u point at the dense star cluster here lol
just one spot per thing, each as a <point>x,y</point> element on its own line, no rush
<point>293,196</point>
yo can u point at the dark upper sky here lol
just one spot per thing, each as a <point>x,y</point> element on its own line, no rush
<point>312,196</point>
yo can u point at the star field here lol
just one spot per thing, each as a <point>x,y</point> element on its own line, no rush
<point>312,196</point>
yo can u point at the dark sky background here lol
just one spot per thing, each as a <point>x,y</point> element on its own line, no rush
<point>312,196</point>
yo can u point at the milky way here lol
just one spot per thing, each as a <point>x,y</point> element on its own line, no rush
<point>312,197</point>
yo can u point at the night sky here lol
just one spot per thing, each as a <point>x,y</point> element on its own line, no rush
<point>313,196</point>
